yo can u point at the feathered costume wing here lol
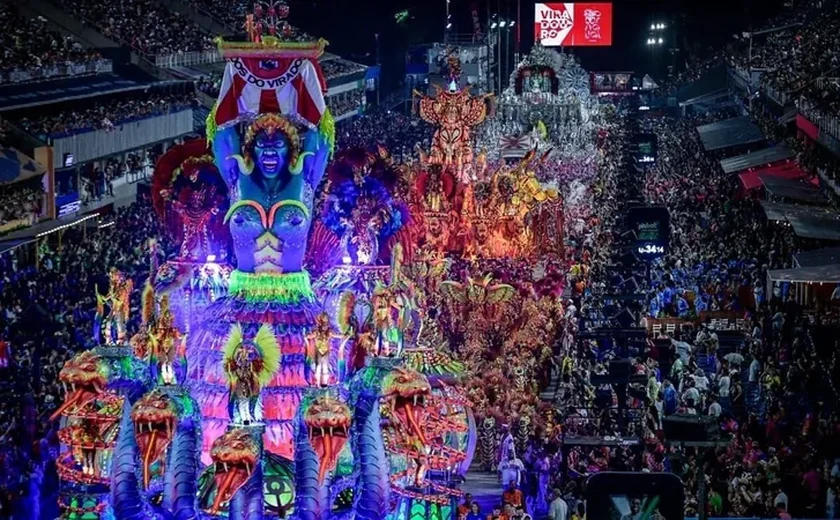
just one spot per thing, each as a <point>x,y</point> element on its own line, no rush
<point>500,293</point>
<point>345,312</point>
<point>266,345</point>
<point>454,290</point>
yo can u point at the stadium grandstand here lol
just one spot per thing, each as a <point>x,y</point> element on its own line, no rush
<point>93,92</point>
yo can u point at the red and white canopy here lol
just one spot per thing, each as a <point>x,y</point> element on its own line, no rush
<point>293,87</point>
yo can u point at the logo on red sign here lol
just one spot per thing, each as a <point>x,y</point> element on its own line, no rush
<point>573,24</point>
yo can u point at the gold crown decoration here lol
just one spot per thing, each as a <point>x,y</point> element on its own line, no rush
<point>191,164</point>
<point>266,28</point>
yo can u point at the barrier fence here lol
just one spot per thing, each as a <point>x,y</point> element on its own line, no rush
<point>779,96</point>
<point>184,59</point>
<point>826,122</point>
<point>57,71</point>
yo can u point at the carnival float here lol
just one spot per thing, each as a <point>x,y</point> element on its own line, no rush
<point>334,337</point>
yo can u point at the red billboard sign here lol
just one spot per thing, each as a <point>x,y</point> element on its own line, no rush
<point>573,24</point>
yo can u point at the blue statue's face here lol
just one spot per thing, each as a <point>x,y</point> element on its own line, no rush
<point>271,153</point>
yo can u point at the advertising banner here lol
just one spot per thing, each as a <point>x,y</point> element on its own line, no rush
<point>571,24</point>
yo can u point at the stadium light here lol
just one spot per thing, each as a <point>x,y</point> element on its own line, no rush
<point>653,27</point>
<point>502,24</point>
<point>449,25</point>
<point>494,25</point>
<point>512,23</point>
<point>661,41</point>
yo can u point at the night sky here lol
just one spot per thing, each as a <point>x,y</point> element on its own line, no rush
<point>350,26</point>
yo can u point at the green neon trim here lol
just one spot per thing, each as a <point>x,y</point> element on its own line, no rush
<point>288,202</point>
<point>285,288</point>
<point>297,168</point>
<point>254,204</point>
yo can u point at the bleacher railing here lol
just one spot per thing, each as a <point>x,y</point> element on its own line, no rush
<point>57,71</point>
<point>465,39</point>
<point>184,59</point>
<point>129,134</point>
<point>826,122</point>
<point>779,96</point>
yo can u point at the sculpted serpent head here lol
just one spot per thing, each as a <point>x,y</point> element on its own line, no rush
<point>235,455</point>
<point>328,421</point>
<point>155,417</point>
<point>407,391</point>
<point>84,377</point>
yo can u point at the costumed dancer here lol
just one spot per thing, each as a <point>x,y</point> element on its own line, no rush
<point>117,299</point>
<point>167,345</point>
<point>249,366</point>
<point>318,349</point>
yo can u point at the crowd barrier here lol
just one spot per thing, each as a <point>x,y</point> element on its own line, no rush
<point>184,59</point>
<point>719,320</point>
<point>779,96</point>
<point>826,122</point>
<point>57,71</point>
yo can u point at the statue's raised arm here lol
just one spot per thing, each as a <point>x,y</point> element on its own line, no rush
<point>226,145</point>
<point>317,149</point>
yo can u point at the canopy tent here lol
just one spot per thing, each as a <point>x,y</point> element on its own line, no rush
<point>752,179</point>
<point>776,211</point>
<point>818,257</point>
<point>802,282</point>
<point>818,228</point>
<point>729,132</point>
<point>648,83</point>
<point>765,157</point>
<point>785,188</point>
<point>815,274</point>
<point>16,166</point>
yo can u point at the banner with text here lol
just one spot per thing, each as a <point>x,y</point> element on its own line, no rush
<point>573,24</point>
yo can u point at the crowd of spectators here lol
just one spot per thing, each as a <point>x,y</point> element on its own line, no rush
<point>721,250</point>
<point>98,182</point>
<point>399,133</point>
<point>21,202</point>
<point>769,390</point>
<point>146,25</point>
<point>233,12</point>
<point>46,317</point>
<point>28,44</point>
<point>338,67</point>
<point>345,102</point>
<point>210,84</point>
<point>800,58</point>
<point>105,115</point>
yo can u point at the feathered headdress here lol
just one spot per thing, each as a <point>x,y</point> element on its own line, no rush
<point>266,360</point>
